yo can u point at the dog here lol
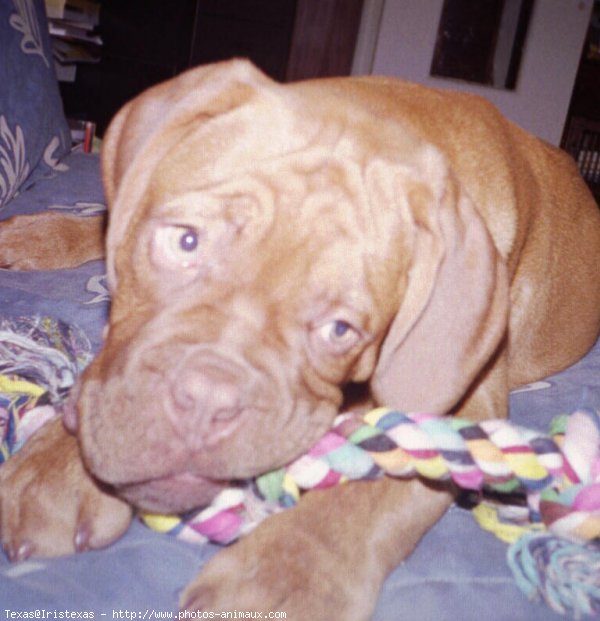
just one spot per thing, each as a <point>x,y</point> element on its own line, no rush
<point>269,247</point>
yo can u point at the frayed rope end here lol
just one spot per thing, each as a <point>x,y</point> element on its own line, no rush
<point>564,574</point>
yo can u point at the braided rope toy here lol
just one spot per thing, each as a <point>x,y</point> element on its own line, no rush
<point>558,475</point>
<point>560,482</point>
<point>40,358</point>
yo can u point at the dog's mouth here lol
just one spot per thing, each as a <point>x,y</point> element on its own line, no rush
<point>176,493</point>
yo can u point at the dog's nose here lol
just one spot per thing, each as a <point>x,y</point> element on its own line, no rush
<point>210,394</point>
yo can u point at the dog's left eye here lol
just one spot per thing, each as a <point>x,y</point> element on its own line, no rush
<point>338,335</point>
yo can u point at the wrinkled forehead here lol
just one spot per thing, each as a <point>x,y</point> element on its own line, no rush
<point>313,198</point>
<point>301,185</point>
<point>295,211</point>
<point>259,138</point>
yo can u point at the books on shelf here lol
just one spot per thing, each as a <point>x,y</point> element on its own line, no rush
<point>73,29</point>
<point>81,11</point>
<point>65,73</point>
<point>67,52</point>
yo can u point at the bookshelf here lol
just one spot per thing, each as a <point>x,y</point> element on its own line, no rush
<point>147,41</point>
<point>582,130</point>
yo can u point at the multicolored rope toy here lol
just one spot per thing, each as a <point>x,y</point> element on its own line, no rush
<point>555,532</point>
<point>560,483</point>
<point>40,358</point>
<point>558,476</point>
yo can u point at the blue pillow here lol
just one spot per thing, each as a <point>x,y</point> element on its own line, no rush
<point>34,134</point>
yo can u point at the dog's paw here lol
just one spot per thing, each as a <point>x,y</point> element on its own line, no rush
<point>49,504</point>
<point>279,568</point>
<point>26,244</point>
<point>49,241</point>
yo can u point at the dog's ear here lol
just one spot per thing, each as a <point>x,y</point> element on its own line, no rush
<point>453,313</point>
<point>149,126</point>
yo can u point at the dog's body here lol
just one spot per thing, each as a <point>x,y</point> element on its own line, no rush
<point>269,245</point>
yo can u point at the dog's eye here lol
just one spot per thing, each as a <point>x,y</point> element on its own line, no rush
<point>338,335</point>
<point>340,329</point>
<point>176,246</point>
<point>188,240</point>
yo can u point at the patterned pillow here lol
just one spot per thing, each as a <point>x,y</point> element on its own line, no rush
<point>33,131</point>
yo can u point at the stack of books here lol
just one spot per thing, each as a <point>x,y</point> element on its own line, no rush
<point>72,25</point>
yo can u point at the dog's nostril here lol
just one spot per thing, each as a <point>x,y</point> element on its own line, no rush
<point>225,415</point>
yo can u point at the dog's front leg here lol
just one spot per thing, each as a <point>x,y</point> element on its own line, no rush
<point>325,559</point>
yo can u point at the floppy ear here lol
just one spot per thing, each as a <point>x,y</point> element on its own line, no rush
<point>453,314</point>
<point>148,127</point>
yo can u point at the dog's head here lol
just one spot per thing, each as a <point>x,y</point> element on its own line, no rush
<point>268,245</point>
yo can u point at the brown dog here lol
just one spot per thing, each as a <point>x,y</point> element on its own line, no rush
<point>270,245</point>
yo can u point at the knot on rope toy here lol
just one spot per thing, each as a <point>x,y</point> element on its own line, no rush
<point>555,532</point>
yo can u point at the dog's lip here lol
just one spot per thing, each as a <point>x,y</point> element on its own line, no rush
<point>175,493</point>
<point>188,477</point>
